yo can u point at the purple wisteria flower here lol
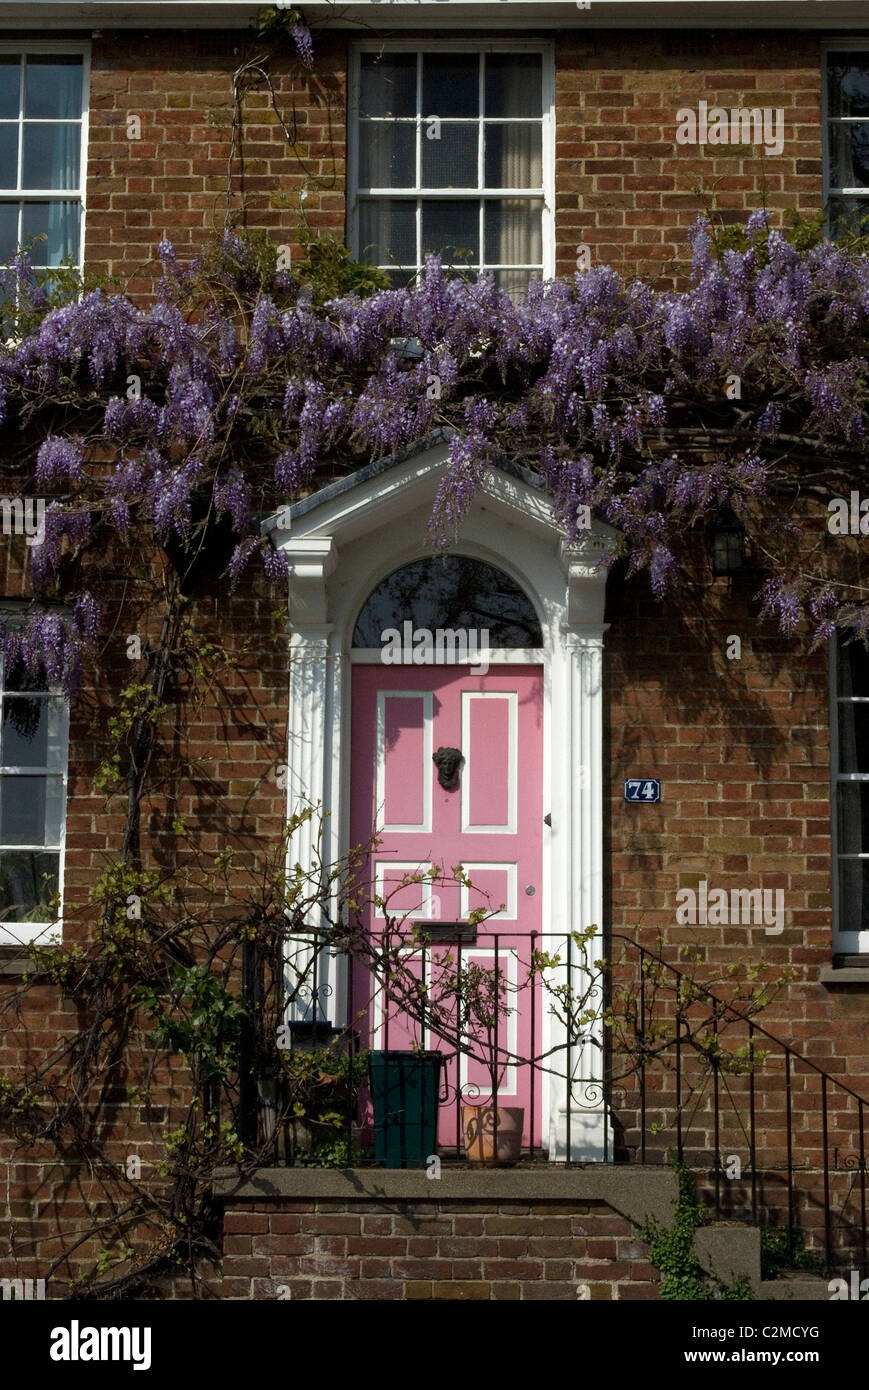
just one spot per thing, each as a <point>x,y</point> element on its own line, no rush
<point>304,43</point>
<point>57,459</point>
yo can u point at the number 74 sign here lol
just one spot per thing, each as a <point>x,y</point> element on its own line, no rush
<point>642,789</point>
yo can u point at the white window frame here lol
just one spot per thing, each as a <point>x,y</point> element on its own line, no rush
<point>459,45</point>
<point>17,933</point>
<point>859,43</point>
<point>844,942</point>
<point>44,47</point>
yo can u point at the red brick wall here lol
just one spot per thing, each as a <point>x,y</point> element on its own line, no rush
<point>622,184</point>
<point>219,775</point>
<point>173,181</point>
<point>742,748</point>
<point>436,1250</point>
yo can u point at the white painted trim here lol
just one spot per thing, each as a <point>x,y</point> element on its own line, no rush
<point>428,15</point>
<point>44,46</point>
<point>339,548</point>
<point>495,656</point>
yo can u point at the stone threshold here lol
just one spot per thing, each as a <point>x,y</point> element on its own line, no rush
<point>634,1192</point>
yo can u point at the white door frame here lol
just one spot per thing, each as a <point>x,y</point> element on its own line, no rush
<point>339,544</point>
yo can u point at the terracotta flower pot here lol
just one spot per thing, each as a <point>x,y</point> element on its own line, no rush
<point>478,1124</point>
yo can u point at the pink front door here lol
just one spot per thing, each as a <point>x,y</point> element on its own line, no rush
<point>491,823</point>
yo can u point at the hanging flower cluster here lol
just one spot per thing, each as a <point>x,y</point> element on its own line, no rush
<point>650,408</point>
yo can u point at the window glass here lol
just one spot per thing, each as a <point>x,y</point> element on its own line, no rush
<point>41,97</point>
<point>387,84</point>
<point>10,87</point>
<point>52,87</point>
<point>469,124</point>
<point>514,84</point>
<point>851,811</point>
<point>847,141</point>
<point>34,726</point>
<point>455,591</point>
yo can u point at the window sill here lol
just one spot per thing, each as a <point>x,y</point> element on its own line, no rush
<point>13,961</point>
<point>834,975</point>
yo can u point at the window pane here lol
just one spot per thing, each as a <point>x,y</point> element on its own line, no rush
<point>59,223</point>
<point>848,215</point>
<point>451,160</point>
<point>8,156</point>
<point>52,87</point>
<point>388,84</point>
<point>849,156</point>
<point>387,155</point>
<point>452,229</point>
<point>514,232</point>
<point>514,156</point>
<point>18,678</point>
<point>514,84</point>
<point>27,882</point>
<point>853,894</point>
<point>387,231</point>
<point>51,156</point>
<point>848,84</point>
<point>31,810</point>
<point>25,733</point>
<point>853,670</point>
<point>10,86</point>
<point>853,805</point>
<point>853,737</point>
<point>22,810</point>
<point>8,230</point>
<point>515,282</point>
<point>450,84</point>
<point>453,592</point>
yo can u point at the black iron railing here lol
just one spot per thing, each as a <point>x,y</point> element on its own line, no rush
<point>630,1060</point>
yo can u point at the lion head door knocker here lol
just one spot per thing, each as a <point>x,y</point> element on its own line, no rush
<point>448,761</point>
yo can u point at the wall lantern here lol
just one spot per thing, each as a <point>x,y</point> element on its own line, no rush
<point>726,537</point>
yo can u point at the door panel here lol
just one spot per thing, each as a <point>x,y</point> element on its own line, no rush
<point>491,823</point>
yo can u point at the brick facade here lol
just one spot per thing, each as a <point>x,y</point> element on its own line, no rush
<point>435,1250</point>
<point>742,747</point>
<point>622,184</point>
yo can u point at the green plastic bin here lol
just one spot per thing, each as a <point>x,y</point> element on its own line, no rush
<point>405,1087</point>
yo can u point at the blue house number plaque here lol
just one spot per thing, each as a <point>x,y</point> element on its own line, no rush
<point>642,789</point>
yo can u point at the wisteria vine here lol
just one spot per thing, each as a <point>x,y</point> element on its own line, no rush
<point>231,392</point>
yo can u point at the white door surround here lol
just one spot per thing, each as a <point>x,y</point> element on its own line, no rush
<point>341,542</point>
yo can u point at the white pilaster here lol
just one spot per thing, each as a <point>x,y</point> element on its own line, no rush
<point>308,744</point>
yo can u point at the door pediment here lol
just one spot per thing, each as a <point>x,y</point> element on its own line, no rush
<point>314,531</point>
